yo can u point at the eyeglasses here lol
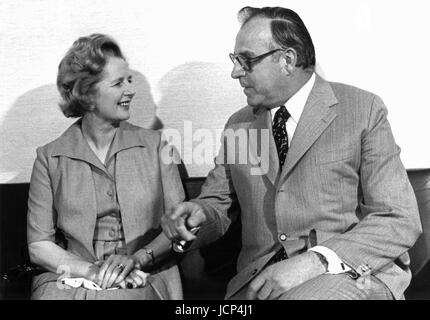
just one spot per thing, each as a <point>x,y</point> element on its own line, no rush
<point>247,63</point>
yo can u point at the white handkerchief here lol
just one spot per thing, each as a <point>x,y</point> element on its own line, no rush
<point>82,282</point>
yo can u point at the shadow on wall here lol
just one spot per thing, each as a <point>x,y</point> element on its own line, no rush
<point>35,119</point>
<point>199,95</point>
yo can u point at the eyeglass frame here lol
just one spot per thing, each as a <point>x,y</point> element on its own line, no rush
<point>247,63</point>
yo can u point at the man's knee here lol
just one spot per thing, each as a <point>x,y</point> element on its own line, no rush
<point>331,287</point>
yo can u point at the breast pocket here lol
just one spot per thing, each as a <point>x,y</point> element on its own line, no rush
<point>334,156</point>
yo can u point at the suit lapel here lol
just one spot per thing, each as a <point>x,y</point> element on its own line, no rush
<point>316,117</point>
<point>270,161</point>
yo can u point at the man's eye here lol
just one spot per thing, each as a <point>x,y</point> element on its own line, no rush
<point>242,59</point>
<point>118,84</point>
<point>246,56</point>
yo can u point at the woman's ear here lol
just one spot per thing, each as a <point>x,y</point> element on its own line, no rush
<point>92,98</point>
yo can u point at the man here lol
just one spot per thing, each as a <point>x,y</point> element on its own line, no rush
<point>334,214</point>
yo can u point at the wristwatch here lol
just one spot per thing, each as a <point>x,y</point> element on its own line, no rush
<point>150,252</point>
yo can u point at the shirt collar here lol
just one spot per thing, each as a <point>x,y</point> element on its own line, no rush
<point>297,102</point>
<point>73,144</point>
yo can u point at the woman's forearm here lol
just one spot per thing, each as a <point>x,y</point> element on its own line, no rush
<point>53,258</point>
<point>161,247</point>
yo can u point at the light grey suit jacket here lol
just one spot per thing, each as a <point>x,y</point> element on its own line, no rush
<point>342,181</point>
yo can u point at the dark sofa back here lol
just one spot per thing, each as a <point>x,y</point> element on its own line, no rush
<point>13,209</point>
<point>420,253</point>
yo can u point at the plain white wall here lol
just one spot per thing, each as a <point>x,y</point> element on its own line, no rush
<point>179,52</point>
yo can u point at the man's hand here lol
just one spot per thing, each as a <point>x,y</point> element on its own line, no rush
<point>186,215</point>
<point>280,277</point>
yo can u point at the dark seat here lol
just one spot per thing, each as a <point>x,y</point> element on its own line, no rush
<point>195,263</point>
<point>14,260</point>
<point>420,252</point>
<point>205,271</point>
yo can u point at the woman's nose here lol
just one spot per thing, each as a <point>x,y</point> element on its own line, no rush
<point>129,90</point>
<point>129,93</point>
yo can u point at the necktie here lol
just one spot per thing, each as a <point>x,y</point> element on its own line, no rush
<point>281,140</point>
<point>280,133</point>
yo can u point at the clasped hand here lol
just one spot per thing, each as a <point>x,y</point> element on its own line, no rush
<point>119,270</point>
<point>282,276</point>
<point>186,215</point>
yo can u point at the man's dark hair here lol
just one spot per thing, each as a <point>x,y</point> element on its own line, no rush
<point>288,30</point>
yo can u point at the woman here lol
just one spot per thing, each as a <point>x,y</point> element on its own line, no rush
<point>102,188</point>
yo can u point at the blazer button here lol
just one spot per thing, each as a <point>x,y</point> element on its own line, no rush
<point>283,237</point>
<point>112,233</point>
<point>254,272</point>
<point>109,193</point>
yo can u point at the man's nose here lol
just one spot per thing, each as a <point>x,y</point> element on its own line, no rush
<point>237,71</point>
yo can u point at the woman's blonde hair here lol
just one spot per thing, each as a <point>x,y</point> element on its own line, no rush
<point>80,69</point>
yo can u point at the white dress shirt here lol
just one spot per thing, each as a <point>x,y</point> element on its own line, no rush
<point>295,106</point>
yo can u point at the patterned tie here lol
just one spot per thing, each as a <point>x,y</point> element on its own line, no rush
<point>281,140</point>
<point>280,133</point>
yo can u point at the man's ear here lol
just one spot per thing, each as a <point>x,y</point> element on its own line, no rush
<point>283,64</point>
<point>288,61</point>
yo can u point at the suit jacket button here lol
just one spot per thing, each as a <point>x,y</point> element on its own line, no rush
<point>109,193</point>
<point>254,272</point>
<point>283,237</point>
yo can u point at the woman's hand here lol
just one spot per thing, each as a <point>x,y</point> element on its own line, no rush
<point>93,272</point>
<point>135,279</point>
<point>115,269</point>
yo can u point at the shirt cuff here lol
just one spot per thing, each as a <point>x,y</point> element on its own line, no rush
<point>335,264</point>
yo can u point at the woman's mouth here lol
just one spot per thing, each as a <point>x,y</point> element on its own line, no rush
<point>124,104</point>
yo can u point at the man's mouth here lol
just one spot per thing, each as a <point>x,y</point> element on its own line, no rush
<point>247,89</point>
<point>245,86</point>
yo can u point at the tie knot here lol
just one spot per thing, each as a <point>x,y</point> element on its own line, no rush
<point>282,114</point>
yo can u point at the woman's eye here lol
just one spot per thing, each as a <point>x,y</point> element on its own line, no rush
<point>118,84</point>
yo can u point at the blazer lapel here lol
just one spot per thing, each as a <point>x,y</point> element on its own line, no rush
<point>269,162</point>
<point>316,117</point>
<point>72,144</point>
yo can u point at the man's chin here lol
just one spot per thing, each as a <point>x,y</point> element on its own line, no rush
<point>256,105</point>
<point>253,102</point>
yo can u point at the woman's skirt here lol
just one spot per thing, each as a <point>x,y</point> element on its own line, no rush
<point>163,284</point>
